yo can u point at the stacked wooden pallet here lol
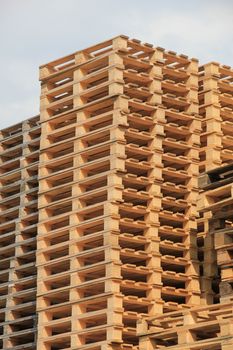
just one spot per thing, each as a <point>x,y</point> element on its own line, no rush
<point>215,107</point>
<point>179,187</point>
<point>118,190</point>
<point>18,229</point>
<point>198,328</point>
<point>217,200</point>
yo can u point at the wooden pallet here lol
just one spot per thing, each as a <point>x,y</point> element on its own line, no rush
<point>215,109</point>
<point>216,202</point>
<point>18,230</point>
<point>118,190</point>
<point>197,328</point>
<point>216,102</point>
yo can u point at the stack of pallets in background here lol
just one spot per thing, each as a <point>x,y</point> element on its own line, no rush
<point>216,103</point>
<point>204,327</point>
<point>18,230</point>
<point>216,200</point>
<point>215,109</point>
<point>118,191</point>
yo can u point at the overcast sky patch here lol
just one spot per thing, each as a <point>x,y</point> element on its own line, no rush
<point>33,32</point>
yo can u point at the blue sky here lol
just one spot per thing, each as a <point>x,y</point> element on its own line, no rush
<point>33,32</point>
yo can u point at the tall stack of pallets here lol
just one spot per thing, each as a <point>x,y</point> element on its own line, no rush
<point>217,200</point>
<point>99,218</point>
<point>18,230</point>
<point>216,103</point>
<point>179,186</point>
<point>117,193</point>
<point>206,327</point>
<point>215,109</point>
